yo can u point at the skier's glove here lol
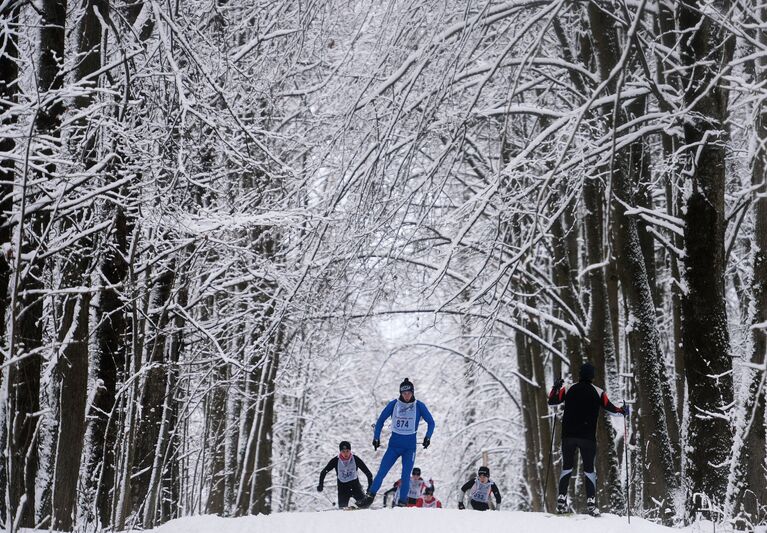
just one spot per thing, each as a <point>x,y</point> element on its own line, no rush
<point>461,506</point>
<point>319,488</point>
<point>426,442</point>
<point>558,383</point>
<point>376,444</point>
<point>626,409</point>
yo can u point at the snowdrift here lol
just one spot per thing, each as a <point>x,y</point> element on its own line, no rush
<point>420,520</point>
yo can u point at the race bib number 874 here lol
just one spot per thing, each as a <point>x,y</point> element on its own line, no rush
<point>403,418</point>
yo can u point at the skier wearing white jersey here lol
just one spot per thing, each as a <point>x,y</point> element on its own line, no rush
<point>480,488</point>
<point>346,465</point>
<point>428,501</point>
<point>417,487</point>
<point>405,413</point>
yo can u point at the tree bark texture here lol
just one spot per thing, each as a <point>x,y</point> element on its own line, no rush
<point>706,48</point>
<point>750,490</point>
<point>9,72</point>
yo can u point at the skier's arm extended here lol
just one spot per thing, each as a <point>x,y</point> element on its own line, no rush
<point>386,413</point>
<point>332,464</point>
<point>557,394</point>
<point>424,412</point>
<point>365,470</point>
<point>496,493</point>
<point>606,404</point>
<point>466,486</point>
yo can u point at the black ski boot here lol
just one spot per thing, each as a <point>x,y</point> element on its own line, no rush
<point>562,504</point>
<point>591,507</point>
<point>367,501</point>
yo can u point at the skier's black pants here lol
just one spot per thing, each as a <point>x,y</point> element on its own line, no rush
<point>479,506</point>
<point>349,489</point>
<point>588,449</point>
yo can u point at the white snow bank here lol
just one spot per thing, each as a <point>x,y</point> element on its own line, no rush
<point>425,520</point>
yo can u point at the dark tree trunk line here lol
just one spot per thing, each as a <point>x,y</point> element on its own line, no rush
<point>72,366</point>
<point>9,72</point>
<point>708,364</point>
<point>750,477</point>
<point>113,326</point>
<point>601,347</point>
<point>27,328</point>
<point>657,420</point>
<point>657,453</point>
<point>666,26</point>
<point>109,362</point>
<point>217,427</point>
<point>530,421</point>
<point>153,388</point>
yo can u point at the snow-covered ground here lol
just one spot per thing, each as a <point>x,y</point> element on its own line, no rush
<point>421,520</point>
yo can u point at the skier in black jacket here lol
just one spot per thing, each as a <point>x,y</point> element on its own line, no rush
<point>579,425</point>
<point>346,465</point>
<point>481,487</point>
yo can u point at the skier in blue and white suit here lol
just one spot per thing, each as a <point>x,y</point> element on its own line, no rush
<point>405,413</point>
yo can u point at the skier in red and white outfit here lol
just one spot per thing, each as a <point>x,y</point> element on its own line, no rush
<point>417,487</point>
<point>428,501</point>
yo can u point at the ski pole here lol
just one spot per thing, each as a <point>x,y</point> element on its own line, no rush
<point>626,413</point>
<point>548,466</point>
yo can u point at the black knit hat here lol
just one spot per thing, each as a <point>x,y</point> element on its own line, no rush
<point>484,470</point>
<point>406,386</point>
<point>345,445</point>
<point>428,490</point>
<point>416,471</point>
<point>587,371</point>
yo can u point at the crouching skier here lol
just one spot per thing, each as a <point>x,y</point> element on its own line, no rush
<point>417,487</point>
<point>428,501</point>
<point>346,465</point>
<point>480,488</point>
<point>405,413</point>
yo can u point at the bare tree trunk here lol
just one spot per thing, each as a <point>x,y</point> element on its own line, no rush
<point>530,420</point>
<point>153,390</point>
<point>72,370</point>
<point>233,414</point>
<point>109,368</point>
<point>73,335</point>
<point>27,334</point>
<point>9,72</point>
<point>656,455</point>
<point>704,316</point>
<point>564,232</point>
<point>750,476</point>
<point>170,489</point>
<point>601,348</point>
<point>657,459</point>
<point>547,475</point>
<point>217,427</point>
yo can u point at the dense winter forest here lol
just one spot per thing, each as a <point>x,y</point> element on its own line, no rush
<point>231,227</point>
